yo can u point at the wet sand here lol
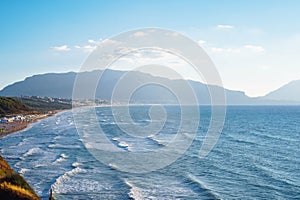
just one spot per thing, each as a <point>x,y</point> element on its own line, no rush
<point>13,127</point>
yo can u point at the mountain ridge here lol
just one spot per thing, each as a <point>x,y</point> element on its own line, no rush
<point>60,85</point>
<point>288,92</point>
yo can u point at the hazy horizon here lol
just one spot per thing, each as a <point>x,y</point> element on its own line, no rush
<point>253,44</point>
<point>157,75</point>
<point>149,99</point>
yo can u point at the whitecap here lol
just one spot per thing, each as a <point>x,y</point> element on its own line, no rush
<point>32,151</point>
<point>76,164</point>
<point>156,140</point>
<point>113,166</point>
<point>63,146</point>
<point>123,144</point>
<point>24,141</point>
<point>134,192</point>
<point>22,171</point>
<point>63,178</point>
<point>62,158</point>
<point>203,185</point>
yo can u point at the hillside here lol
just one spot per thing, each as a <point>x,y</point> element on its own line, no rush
<point>288,92</point>
<point>13,186</point>
<point>25,105</point>
<point>12,106</point>
<point>43,104</point>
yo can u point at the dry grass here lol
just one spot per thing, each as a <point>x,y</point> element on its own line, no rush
<point>12,185</point>
<point>16,192</point>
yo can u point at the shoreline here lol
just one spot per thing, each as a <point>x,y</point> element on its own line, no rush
<point>13,185</point>
<point>15,127</point>
<point>27,190</point>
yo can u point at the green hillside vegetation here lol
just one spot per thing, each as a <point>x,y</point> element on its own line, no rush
<point>13,186</point>
<point>30,105</point>
<point>10,105</point>
<point>46,103</point>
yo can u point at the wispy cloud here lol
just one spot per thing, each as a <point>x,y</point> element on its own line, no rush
<point>201,42</point>
<point>86,48</point>
<point>239,50</point>
<point>90,46</point>
<point>61,48</point>
<point>139,34</point>
<point>111,42</point>
<point>224,27</point>
<point>91,41</point>
<point>95,42</point>
<point>216,49</point>
<point>255,48</point>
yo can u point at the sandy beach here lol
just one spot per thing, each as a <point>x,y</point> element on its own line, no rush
<point>16,126</point>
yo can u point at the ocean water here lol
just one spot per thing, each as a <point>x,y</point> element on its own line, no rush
<point>257,157</point>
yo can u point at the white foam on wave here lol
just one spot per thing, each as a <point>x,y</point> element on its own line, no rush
<point>24,141</point>
<point>154,138</point>
<point>22,171</point>
<point>62,158</point>
<point>74,171</point>
<point>203,185</point>
<point>275,174</point>
<point>66,176</point>
<point>58,137</point>
<point>123,144</point>
<point>32,151</point>
<point>64,155</point>
<point>130,148</point>
<point>76,164</point>
<point>63,146</point>
<point>84,186</point>
<point>134,192</point>
<point>113,166</point>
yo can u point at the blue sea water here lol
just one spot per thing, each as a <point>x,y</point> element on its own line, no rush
<point>257,157</point>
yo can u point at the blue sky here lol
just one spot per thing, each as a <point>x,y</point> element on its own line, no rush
<point>254,44</point>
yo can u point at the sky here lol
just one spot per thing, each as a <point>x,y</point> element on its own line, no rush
<point>254,44</point>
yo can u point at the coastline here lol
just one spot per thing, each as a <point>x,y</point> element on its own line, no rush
<point>15,127</point>
<point>13,185</point>
<point>7,189</point>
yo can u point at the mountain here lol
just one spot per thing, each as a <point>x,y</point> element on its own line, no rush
<point>48,85</point>
<point>288,92</point>
<point>60,85</point>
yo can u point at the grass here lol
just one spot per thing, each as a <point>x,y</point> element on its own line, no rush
<point>10,105</point>
<point>13,186</point>
<point>11,191</point>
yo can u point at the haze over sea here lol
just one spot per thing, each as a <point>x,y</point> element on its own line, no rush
<point>256,157</point>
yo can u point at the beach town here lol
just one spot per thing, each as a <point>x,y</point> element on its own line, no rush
<point>13,123</point>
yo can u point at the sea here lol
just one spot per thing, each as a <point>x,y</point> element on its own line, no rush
<point>257,156</point>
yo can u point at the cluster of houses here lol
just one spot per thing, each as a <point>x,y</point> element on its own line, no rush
<point>17,122</point>
<point>18,118</point>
